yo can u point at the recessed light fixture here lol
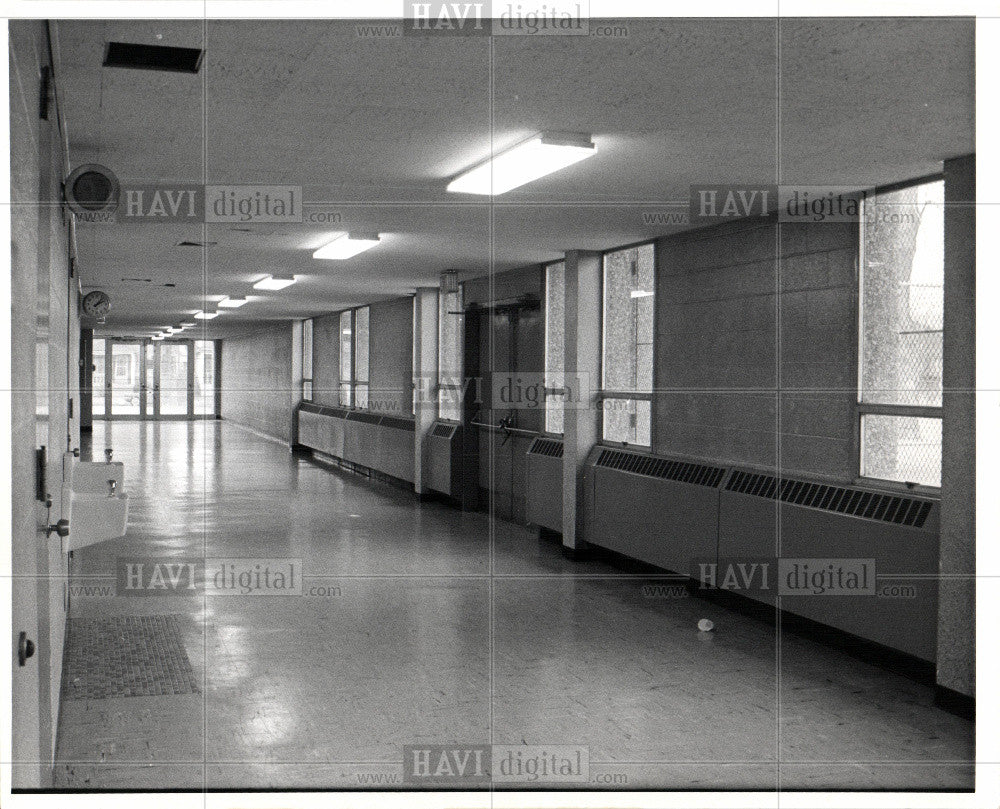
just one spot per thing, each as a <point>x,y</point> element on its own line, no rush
<point>232,303</point>
<point>529,160</point>
<point>345,245</point>
<point>642,293</point>
<point>272,282</point>
<point>205,315</point>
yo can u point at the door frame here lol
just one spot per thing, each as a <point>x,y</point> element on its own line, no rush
<point>145,401</point>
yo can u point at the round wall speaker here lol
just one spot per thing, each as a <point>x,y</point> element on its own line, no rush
<point>92,190</point>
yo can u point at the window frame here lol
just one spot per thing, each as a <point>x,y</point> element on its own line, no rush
<point>603,394</point>
<point>862,409</point>
<point>546,390</point>
<point>307,349</point>
<point>352,380</point>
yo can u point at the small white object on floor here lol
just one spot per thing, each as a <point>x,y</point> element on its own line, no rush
<point>704,625</point>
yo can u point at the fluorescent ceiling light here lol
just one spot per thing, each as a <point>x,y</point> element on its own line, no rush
<point>534,158</point>
<point>345,245</point>
<point>272,282</point>
<point>205,315</point>
<point>157,337</point>
<point>173,330</point>
<point>642,293</point>
<point>188,325</point>
<point>232,303</point>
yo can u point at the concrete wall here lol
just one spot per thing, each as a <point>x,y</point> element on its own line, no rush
<point>257,384</point>
<point>957,612</point>
<point>723,302</point>
<point>326,359</point>
<point>44,349</point>
<point>391,357</point>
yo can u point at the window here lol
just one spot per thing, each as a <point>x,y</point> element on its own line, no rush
<point>555,342</point>
<point>361,357</point>
<point>354,357</point>
<point>204,377</point>
<point>450,386</point>
<point>902,311</point>
<point>307,360</point>
<point>97,382</point>
<point>346,357</point>
<point>627,345</point>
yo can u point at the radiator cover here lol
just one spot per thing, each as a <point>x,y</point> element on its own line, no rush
<point>543,484</point>
<point>817,520</point>
<point>658,510</point>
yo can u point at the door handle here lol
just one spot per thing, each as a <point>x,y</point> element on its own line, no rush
<point>25,648</point>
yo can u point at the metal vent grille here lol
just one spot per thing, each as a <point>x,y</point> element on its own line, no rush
<point>909,511</point>
<point>682,471</point>
<point>398,423</point>
<point>443,430</point>
<point>546,446</point>
<point>365,418</point>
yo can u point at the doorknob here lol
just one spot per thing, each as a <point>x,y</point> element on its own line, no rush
<point>25,648</point>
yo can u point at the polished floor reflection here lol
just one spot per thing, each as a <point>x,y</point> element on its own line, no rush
<point>421,625</point>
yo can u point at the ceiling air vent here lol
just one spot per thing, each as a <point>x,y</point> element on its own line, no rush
<point>546,446</point>
<point>682,471</point>
<point>910,511</point>
<point>137,56</point>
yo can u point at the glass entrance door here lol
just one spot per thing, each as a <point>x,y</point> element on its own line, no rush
<point>174,394</point>
<point>123,379</point>
<point>173,379</point>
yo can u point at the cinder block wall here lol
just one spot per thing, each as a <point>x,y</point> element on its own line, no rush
<point>390,358</point>
<point>756,344</point>
<point>257,380</point>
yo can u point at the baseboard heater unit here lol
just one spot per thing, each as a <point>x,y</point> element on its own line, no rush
<point>762,516</point>
<point>383,444</point>
<point>543,484</point>
<point>444,459</point>
<point>658,510</point>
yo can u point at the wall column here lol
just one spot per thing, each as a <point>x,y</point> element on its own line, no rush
<point>425,360</point>
<point>582,419</point>
<point>957,596</point>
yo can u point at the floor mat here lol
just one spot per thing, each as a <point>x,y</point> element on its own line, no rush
<point>126,656</point>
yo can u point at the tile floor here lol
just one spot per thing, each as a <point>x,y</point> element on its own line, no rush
<point>421,625</point>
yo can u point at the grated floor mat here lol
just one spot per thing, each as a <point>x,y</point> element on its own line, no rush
<point>126,656</point>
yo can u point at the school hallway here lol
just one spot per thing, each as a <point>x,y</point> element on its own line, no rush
<point>433,626</point>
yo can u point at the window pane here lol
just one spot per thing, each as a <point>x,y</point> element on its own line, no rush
<point>903,448</point>
<point>627,341</point>
<point>361,345</point>
<point>307,349</point>
<point>173,378</point>
<point>902,296</point>
<point>97,383</point>
<point>150,378</point>
<point>204,377</point>
<point>555,341</point>
<point>361,394</point>
<point>627,421</point>
<point>345,350</point>
<point>125,381</point>
<point>450,355</point>
<point>345,394</point>
<point>307,390</point>
<point>628,319</point>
